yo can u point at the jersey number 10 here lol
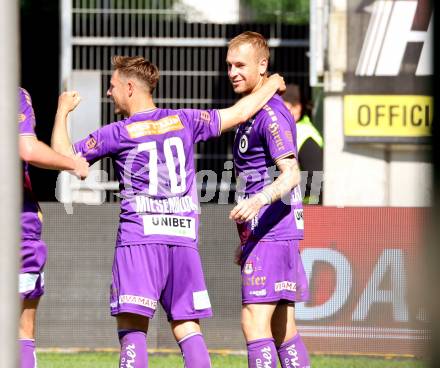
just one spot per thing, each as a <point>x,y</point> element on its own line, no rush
<point>168,143</point>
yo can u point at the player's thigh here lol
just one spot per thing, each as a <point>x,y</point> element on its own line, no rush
<point>27,318</point>
<point>139,276</point>
<point>283,323</point>
<point>185,296</point>
<point>256,319</point>
<point>182,329</point>
<point>131,321</point>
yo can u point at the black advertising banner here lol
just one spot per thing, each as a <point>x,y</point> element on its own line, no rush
<point>388,81</point>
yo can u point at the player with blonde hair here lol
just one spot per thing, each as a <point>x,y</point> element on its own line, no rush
<point>269,215</point>
<point>156,258</point>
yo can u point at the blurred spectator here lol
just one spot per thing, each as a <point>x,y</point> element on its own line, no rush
<point>309,140</point>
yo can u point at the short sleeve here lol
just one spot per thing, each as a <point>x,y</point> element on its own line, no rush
<point>101,143</point>
<point>279,133</point>
<point>26,116</point>
<point>204,124</point>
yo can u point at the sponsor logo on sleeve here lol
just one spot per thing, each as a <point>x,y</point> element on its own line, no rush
<point>274,129</point>
<point>154,127</point>
<point>205,117</point>
<point>27,97</point>
<point>91,143</point>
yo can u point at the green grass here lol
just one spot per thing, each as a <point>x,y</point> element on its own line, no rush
<point>107,360</point>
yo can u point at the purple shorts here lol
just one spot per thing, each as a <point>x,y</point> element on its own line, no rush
<point>31,278</point>
<point>272,272</point>
<point>172,275</point>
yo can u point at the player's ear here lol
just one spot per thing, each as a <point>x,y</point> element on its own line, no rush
<point>130,87</point>
<point>262,66</point>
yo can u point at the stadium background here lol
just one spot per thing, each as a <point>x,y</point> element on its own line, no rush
<point>369,256</point>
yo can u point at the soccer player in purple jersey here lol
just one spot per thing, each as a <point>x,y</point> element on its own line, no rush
<point>156,257</point>
<point>33,249</point>
<point>269,215</point>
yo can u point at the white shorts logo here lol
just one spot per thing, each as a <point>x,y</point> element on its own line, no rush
<point>170,225</point>
<point>138,300</point>
<point>27,282</point>
<point>201,300</point>
<point>261,292</point>
<point>285,285</point>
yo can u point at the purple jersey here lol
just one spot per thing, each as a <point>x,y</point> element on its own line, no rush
<point>31,216</point>
<point>268,136</point>
<point>152,154</point>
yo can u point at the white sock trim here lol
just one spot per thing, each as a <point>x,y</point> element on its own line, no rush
<point>189,336</point>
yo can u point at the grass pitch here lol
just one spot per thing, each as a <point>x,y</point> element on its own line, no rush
<point>107,360</point>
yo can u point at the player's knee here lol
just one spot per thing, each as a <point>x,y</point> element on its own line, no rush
<point>27,323</point>
<point>255,328</point>
<point>27,331</point>
<point>130,321</point>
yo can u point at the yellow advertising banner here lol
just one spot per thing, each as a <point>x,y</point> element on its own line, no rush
<point>382,116</point>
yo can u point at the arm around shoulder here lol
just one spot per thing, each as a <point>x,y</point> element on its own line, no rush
<point>249,105</point>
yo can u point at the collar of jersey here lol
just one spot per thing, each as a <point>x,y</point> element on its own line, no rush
<point>145,111</point>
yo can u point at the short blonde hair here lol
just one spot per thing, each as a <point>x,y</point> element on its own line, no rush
<point>137,67</point>
<point>255,39</point>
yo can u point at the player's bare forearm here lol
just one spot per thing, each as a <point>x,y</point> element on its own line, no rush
<point>41,155</point>
<point>289,178</point>
<point>248,106</point>
<point>60,138</point>
<point>60,141</point>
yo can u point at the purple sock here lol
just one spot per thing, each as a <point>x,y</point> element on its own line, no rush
<point>194,351</point>
<point>293,353</point>
<point>262,353</point>
<point>27,354</point>
<point>133,349</point>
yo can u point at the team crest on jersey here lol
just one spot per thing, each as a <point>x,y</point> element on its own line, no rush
<point>243,144</point>
<point>21,118</point>
<point>248,268</point>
